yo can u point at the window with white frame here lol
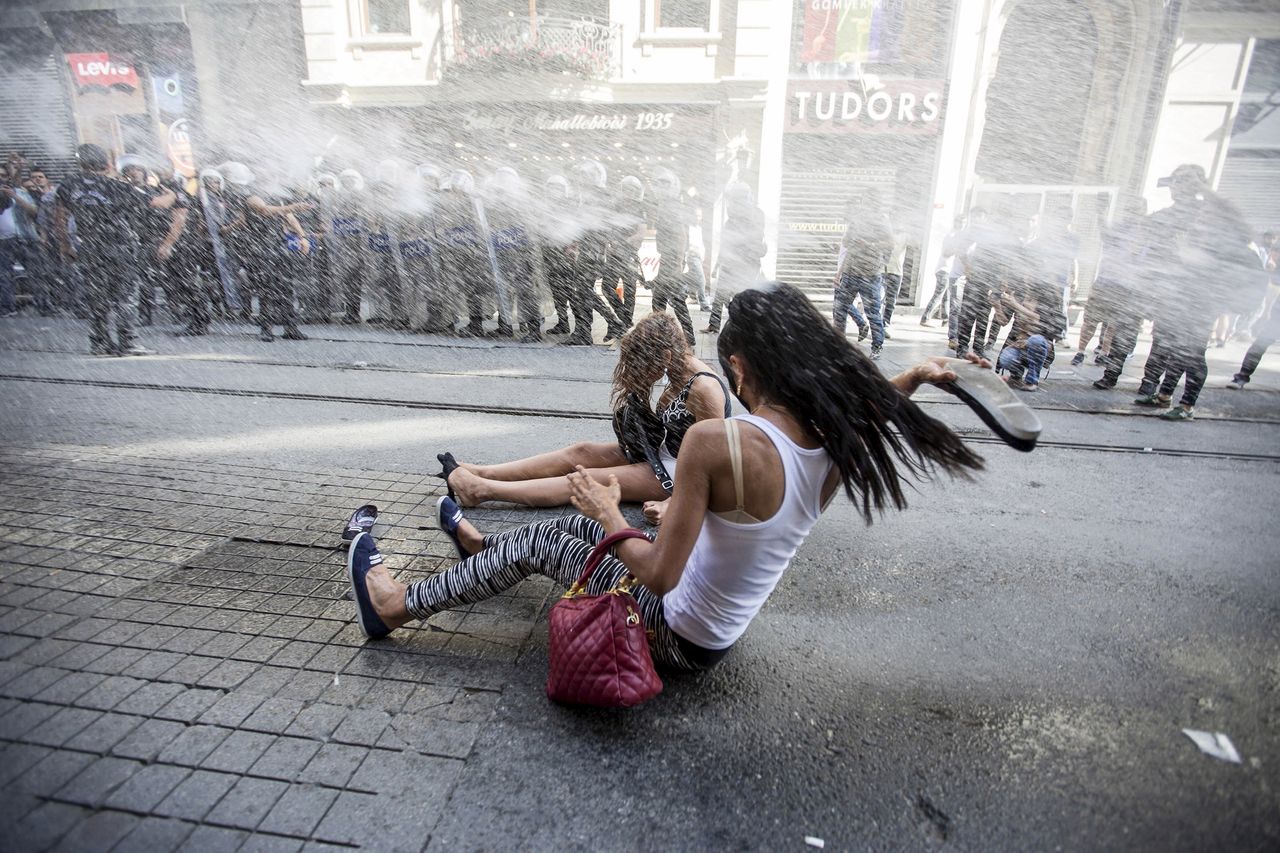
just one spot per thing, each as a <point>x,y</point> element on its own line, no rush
<point>682,14</point>
<point>385,17</point>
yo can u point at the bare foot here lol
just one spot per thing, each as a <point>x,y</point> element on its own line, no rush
<point>467,487</point>
<point>386,594</point>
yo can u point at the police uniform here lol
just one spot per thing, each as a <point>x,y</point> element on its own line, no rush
<point>465,265</point>
<point>671,227</point>
<point>593,264</point>
<point>108,213</point>
<point>386,230</point>
<point>152,271</point>
<point>622,262</point>
<point>513,249</point>
<point>260,245</point>
<point>348,253</point>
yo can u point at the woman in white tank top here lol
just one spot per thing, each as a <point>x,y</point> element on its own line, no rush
<point>750,489</point>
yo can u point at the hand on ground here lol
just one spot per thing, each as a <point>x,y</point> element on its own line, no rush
<point>655,510</point>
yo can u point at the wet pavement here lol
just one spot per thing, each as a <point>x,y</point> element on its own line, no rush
<point>1006,665</point>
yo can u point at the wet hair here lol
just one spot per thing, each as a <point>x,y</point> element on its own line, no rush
<point>656,342</point>
<point>874,434</point>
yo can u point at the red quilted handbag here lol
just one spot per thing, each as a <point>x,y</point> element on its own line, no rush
<point>597,645</point>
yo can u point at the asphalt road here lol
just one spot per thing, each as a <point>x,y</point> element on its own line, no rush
<point>1008,664</point>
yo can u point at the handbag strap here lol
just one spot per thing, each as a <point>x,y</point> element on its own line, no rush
<point>598,553</point>
<point>735,459</point>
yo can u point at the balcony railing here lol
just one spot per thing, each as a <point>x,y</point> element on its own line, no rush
<point>580,48</point>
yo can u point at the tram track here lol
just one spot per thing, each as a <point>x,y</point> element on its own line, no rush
<point>1041,406</point>
<point>570,414</point>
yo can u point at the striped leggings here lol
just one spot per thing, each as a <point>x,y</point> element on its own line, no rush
<point>557,549</point>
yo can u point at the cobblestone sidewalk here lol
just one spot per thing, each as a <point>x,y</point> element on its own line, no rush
<point>179,668</point>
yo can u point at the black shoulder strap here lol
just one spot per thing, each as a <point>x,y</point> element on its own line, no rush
<point>728,401</point>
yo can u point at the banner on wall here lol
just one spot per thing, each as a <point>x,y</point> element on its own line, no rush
<point>166,89</point>
<point>102,69</point>
<point>849,32</point>
<point>178,144</point>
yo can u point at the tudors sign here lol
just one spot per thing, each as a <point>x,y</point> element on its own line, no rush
<point>101,69</point>
<point>844,106</point>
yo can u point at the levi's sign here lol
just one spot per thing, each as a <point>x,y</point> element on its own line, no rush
<point>845,106</point>
<point>101,69</point>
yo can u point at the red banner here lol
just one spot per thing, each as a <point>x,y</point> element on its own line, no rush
<point>101,69</point>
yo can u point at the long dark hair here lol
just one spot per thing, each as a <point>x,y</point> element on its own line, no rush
<point>869,428</point>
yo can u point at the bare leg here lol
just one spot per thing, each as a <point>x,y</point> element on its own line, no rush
<point>557,463</point>
<point>387,594</point>
<point>637,481</point>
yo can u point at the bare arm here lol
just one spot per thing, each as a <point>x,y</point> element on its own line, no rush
<point>1027,312</point>
<point>291,222</point>
<point>283,210</point>
<point>167,199</point>
<point>935,370</point>
<point>1001,312</point>
<point>659,564</point>
<point>60,233</point>
<point>706,399</point>
<point>177,223</point>
<point>21,199</point>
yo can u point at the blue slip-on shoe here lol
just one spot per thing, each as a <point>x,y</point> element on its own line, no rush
<point>361,521</point>
<point>361,557</point>
<point>449,515</point>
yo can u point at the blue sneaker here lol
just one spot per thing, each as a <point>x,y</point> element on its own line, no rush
<point>449,515</point>
<point>361,521</point>
<point>363,556</point>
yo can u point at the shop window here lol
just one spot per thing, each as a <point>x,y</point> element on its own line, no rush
<point>683,14</point>
<point>386,17</point>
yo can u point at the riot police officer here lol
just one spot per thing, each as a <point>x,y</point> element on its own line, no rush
<point>103,256</point>
<point>671,228</point>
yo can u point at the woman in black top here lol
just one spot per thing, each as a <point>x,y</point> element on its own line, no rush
<point>656,346</point>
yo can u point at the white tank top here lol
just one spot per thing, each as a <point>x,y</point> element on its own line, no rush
<point>734,567</point>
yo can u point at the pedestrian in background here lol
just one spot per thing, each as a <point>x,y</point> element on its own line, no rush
<point>950,271</point>
<point>893,266</point>
<point>864,249</point>
<point>741,248</point>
